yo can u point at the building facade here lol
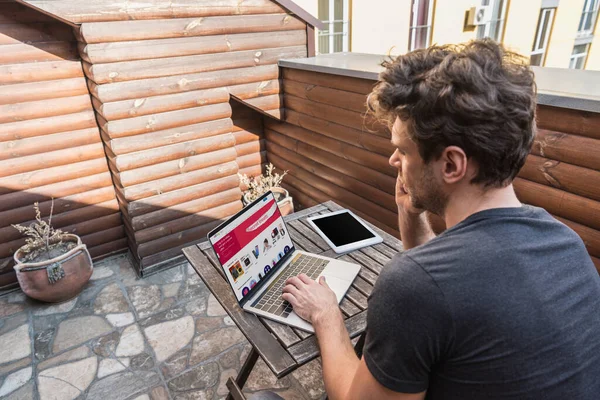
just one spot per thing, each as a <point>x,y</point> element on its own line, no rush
<point>553,33</point>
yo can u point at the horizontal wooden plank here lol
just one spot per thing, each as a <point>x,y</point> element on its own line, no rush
<point>143,69</point>
<point>34,32</point>
<point>45,90</point>
<point>560,175</point>
<point>182,82</point>
<point>37,72</point>
<point>284,333</point>
<point>340,98</point>
<point>165,120</point>
<point>118,31</point>
<point>582,123</point>
<point>171,183</point>
<point>335,147</point>
<point>345,83</point>
<point>175,167</point>
<point>272,352</point>
<point>60,189</point>
<point>44,108</point>
<point>167,206</point>
<point>45,126</point>
<point>108,249</point>
<point>187,46</point>
<point>14,13</point>
<point>572,149</point>
<point>40,52</point>
<point>47,143</point>
<point>170,152</point>
<point>47,176</point>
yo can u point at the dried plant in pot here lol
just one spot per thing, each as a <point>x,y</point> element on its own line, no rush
<point>258,185</point>
<point>52,266</point>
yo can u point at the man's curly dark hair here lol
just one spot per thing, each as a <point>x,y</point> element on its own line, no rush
<point>477,96</point>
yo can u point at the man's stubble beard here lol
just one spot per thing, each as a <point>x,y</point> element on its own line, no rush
<point>427,195</point>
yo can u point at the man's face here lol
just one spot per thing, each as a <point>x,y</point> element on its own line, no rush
<point>418,179</point>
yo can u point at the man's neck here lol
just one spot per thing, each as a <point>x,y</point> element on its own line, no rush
<point>474,199</point>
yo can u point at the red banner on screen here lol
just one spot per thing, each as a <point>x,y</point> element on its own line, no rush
<point>240,236</point>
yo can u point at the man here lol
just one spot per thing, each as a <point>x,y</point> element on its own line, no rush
<point>504,304</point>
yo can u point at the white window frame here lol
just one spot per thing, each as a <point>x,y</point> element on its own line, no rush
<point>590,11</point>
<point>330,33</point>
<point>413,26</point>
<point>501,20</point>
<point>575,57</point>
<point>541,43</point>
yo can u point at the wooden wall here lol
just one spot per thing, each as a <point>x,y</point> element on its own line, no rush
<point>160,87</point>
<point>333,152</point>
<point>50,146</point>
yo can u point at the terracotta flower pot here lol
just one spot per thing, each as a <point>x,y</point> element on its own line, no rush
<point>58,279</point>
<point>285,202</point>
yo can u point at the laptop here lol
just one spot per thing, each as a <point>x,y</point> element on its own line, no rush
<point>257,255</point>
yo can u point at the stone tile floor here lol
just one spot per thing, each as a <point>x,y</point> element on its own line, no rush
<point>161,337</point>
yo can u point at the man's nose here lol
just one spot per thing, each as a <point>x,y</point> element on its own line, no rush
<point>394,159</point>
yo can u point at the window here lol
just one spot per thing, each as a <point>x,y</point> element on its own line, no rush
<point>335,38</point>
<point>588,18</point>
<point>538,52</point>
<point>579,56</point>
<point>420,24</point>
<point>495,26</point>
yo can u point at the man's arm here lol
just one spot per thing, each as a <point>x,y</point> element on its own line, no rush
<point>414,229</point>
<point>346,377</point>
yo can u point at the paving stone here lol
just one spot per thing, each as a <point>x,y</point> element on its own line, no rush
<point>15,380</point>
<point>201,377</point>
<point>7,309</point>
<point>290,395</point>
<point>122,385</point>
<point>310,377</point>
<point>205,324</point>
<point>228,321</point>
<point>68,381</point>
<point>16,297</point>
<point>74,331</point>
<point>64,307</point>
<point>193,288</point>
<point>111,300</point>
<point>71,355</point>
<point>16,344</point>
<point>42,342</point>
<point>231,358</point>
<point>142,361</point>
<point>15,365</point>
<point>196,395</point>
<point>169,337</point>
<point>109,366</point>
<point>222,390</point>
<point>170,275</point>
<point>159,393</point>
<point>119,320</point>
<point>24,393</point>
<point>101,273</point>
<point>145,299</point>
<point>171,289</point>
<point>214,309</point>
<point>169,315</point>
<point>106,345</point>
<point>142,397</point>
<point>261,378</point>
<point>131,342</point>
<point>127,272</point>
<point>10,323</point>
<point>176,364</point>
<point>196,307</point>
<point>210,344</point>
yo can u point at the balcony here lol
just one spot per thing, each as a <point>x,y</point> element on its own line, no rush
<point>145,162</point>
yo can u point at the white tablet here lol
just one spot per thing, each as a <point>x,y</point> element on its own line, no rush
<point>344,231</point>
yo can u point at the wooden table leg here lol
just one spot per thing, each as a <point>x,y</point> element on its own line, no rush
<point>235,387</point>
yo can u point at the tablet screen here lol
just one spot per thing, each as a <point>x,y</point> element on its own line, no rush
<point>342,229</point>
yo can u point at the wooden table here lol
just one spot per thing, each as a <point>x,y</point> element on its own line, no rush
<point>281,347</point>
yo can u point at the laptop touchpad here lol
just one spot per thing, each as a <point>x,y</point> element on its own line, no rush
<point>339,286</point>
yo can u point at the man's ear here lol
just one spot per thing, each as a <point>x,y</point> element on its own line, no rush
<point>455,164</point>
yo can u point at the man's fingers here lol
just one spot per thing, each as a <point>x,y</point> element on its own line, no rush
<point>289,298</point>
<point>323,282</point>
<point>304,278</point>
<point>294,281</point>
<point>290,289</point>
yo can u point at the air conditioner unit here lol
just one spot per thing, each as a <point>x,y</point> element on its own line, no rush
<point>482,15</point>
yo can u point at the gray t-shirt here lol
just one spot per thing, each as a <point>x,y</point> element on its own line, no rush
<point>504,305</point>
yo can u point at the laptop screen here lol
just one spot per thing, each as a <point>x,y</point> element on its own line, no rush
<point>250,244</point>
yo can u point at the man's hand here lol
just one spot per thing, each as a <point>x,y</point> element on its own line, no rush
<point>404,202</point>
<point>312,301</point>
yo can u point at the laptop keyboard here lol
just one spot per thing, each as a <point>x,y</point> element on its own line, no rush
<point>271,300</point>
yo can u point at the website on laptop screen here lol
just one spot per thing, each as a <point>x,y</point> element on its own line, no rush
<point>251,245</point>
